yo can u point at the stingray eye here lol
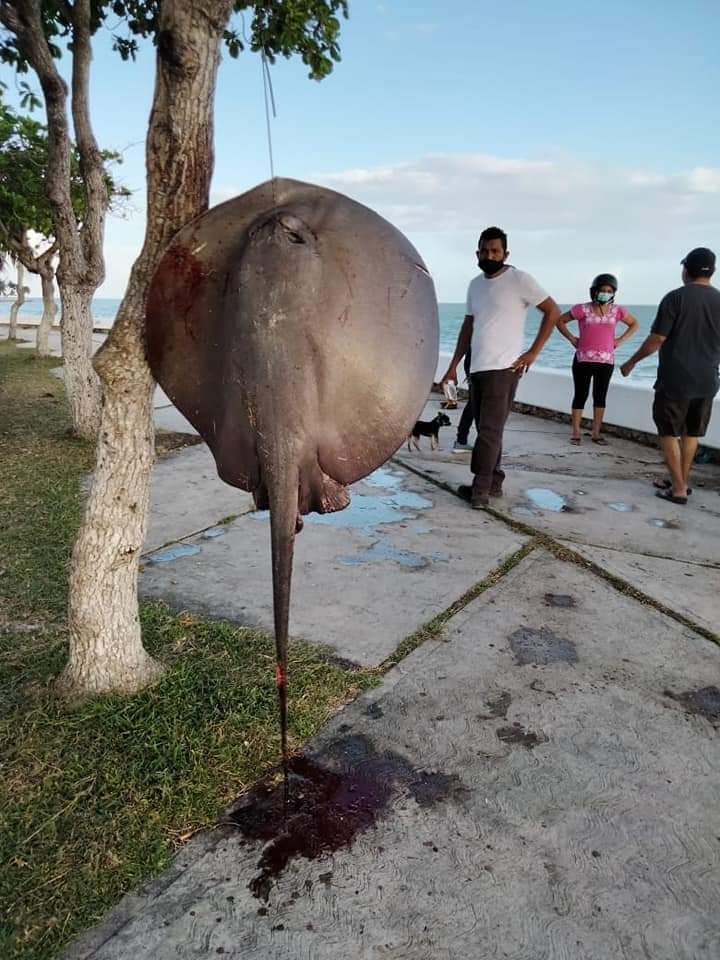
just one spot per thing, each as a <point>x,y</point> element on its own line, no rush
<point>294,229</point>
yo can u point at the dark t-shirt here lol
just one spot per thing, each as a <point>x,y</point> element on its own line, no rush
<point>690,319</point>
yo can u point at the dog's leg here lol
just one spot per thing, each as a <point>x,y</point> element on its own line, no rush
<point>416,441</point>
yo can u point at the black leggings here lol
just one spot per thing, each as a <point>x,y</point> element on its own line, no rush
<point>583,373</point>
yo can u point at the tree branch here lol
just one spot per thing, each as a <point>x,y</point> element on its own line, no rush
<point>22,250</point>
<point>9,18</point>
<point>92,167</point>
<point>32,42</point>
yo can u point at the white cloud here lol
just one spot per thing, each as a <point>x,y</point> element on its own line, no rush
<point>567,219</point>
<point>705,180</point>
<point>451,191</point>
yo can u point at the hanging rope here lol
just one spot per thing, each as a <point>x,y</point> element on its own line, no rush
<point>269,96</point>
<point>269,104</point>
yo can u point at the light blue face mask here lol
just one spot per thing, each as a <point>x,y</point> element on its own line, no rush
<point>605,297</point>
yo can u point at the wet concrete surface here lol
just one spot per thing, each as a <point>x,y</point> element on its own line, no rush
<point>600,502</point>
<point>187,497</point>
<point>477,805</point>
<point>364,578</point>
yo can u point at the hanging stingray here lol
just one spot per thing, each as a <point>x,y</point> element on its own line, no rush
<point>298,332</point>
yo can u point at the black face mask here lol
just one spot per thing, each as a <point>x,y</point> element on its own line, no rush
<point>491,267</point>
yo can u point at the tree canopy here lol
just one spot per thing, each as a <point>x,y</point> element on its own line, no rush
<point>309,28</point>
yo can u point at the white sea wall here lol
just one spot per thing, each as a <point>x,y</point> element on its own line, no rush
<point>629,402</point>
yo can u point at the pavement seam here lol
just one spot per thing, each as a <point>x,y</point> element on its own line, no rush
<point>703,564</point>
<point>432,629</point>
<point>562,552</point>
<point>223,522</point>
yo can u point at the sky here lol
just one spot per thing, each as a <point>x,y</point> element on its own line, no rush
<point>591,138</point>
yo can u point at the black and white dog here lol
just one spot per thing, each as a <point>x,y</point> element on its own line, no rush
<point>428,428</point>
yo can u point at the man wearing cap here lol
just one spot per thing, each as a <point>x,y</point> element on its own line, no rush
<point>686,331</point>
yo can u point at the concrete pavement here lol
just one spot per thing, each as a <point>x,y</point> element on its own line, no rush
<point>539,781</point>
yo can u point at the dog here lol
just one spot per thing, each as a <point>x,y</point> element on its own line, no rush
<point>428,428</point>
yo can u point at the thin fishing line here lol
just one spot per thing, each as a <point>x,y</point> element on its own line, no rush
<point>269,104</point>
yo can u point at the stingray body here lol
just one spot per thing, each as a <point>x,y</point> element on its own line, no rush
<point>297,330</point>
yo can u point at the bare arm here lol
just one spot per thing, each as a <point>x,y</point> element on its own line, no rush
<point>551,314</point>
<point>562,323</point>
<point>651,345</point>
<point>632,328</point>
<point>463,345</point>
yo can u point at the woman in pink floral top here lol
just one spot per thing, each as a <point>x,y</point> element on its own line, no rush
<point>595,349</point>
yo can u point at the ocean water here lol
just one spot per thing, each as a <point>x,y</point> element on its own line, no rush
<point>557,352</point>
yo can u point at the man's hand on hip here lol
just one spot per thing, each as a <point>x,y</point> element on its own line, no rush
<point>524,362</point>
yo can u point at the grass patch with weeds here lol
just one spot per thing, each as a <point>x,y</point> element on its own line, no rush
<point>95,798</point>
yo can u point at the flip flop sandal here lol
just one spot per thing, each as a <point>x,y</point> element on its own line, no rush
<point>601,440</point>
<point>667,485</point>
<point>670,497</point>
<point>576,441</point>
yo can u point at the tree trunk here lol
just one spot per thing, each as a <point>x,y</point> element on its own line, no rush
<point>81,268</point>
<point>81,380</point>
<point>106,651</point>
<point>19,301</point>
<point>47,281</point>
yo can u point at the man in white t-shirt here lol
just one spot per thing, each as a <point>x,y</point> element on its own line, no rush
<point>494,329</point>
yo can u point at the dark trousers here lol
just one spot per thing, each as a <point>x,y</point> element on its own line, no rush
<point>585,371</point>
<point>466,418</point>
<point>492,392</point>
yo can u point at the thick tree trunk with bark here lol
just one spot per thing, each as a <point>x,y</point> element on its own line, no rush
<point>106,651</point>
<point>81,380</point>
<point>47,281</point>
<point>19,301</point>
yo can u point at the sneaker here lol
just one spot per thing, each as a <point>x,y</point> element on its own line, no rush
<point>461,447</point>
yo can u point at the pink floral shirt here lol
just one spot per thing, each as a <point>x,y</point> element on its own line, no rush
<point>596,343</point>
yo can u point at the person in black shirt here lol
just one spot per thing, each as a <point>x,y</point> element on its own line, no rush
<point>687,333</point>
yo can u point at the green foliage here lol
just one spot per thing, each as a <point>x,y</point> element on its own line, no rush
<point>23,161</point>
<point>309,28</point>
<point>23,166</point>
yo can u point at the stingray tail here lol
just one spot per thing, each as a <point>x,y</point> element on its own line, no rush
<point>283,502</point>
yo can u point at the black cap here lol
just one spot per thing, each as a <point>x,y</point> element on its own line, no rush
<point>700,262</point>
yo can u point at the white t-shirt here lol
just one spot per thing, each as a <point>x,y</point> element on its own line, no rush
<point>499,306</point>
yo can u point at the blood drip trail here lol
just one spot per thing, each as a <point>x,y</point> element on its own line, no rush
<point>281,684</point>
